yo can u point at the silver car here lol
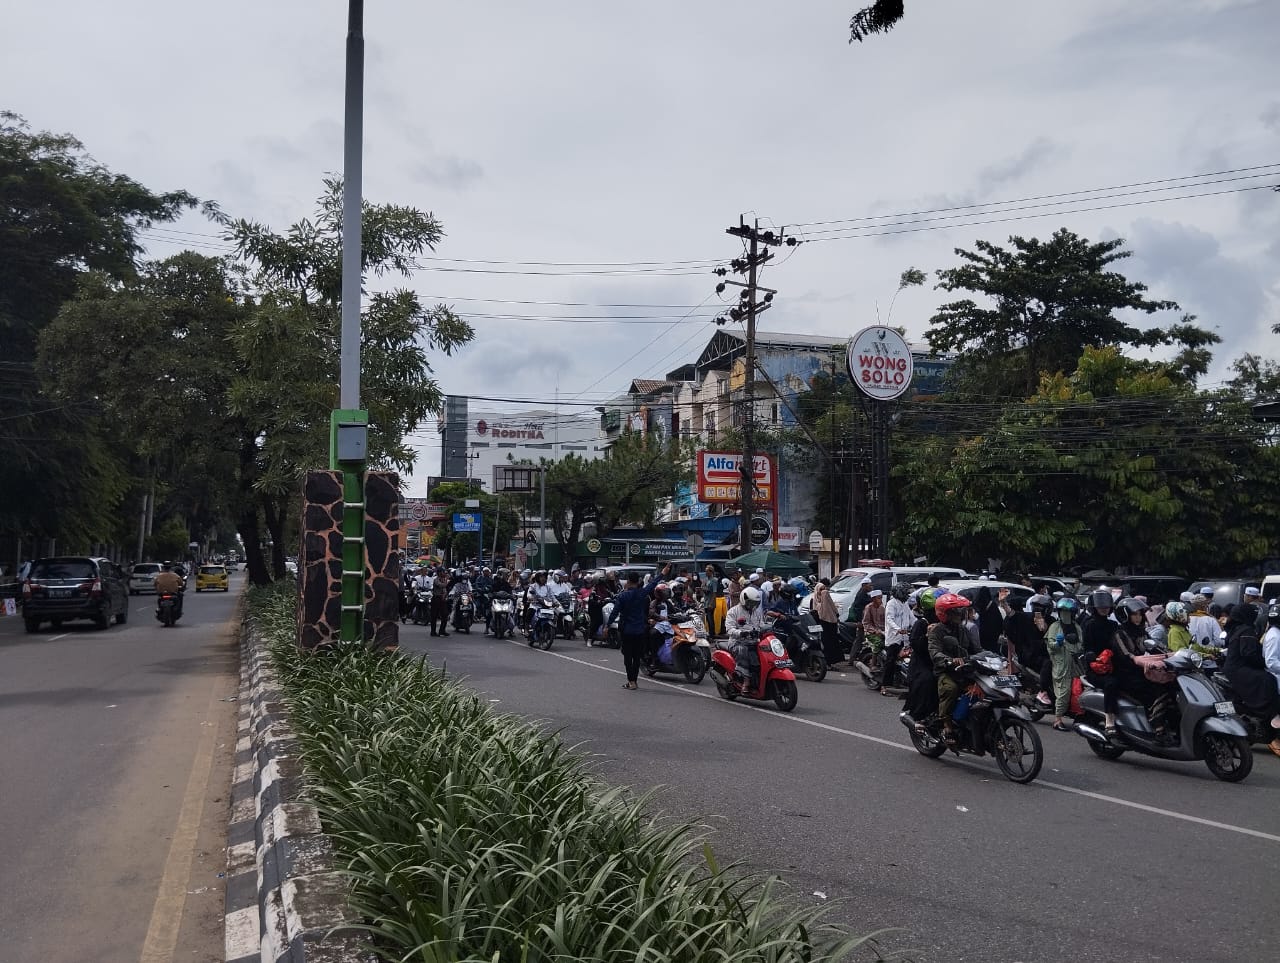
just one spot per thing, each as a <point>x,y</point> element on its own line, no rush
<point>142,577</point>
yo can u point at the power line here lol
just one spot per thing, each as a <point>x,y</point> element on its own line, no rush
<point>1041,197</point>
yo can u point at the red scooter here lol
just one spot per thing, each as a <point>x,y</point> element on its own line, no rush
<point>775,679</point>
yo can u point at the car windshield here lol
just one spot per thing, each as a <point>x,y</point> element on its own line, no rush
<point>63,568</point>
<point>213,570</point>
<point>848,583</point>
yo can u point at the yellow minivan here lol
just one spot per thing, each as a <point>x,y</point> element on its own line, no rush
<point>212,577</point>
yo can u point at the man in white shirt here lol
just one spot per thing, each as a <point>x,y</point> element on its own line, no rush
<point>898,620</point>
<point>1204,628</point>
<point>1271,658</point>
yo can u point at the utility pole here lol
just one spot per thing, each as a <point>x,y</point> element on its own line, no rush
<point>748,309</point>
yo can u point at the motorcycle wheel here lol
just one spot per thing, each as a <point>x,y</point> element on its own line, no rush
<point>785,694</point>
<point>695,667</point>
<point>1104,751</point>
<point>815,669</point>
<point>927,744</point>
<point>1017,748</point>
<point>1228,757</point>
<point>548,636</point>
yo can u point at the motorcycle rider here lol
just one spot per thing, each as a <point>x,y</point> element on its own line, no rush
<point>169,582</point>
<point>1065,642</point>
<point>949,646</point>
<point>501,586</point>
<point>1112,669</point>
<point>898,620</point>
<point>459,586</point>
<point>1271,659</point>
<point>1246,666</point>
<point>747,617</point>
<point>600,594</point>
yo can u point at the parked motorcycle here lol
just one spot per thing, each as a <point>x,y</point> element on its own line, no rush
<point>803,639</point>
<point>464,612</point>
<point>774,679</point>
<point>1208,729</point>
<point>684,651</point>
<point>501,615</point>
<point>167,609</point>
<point>988,718</point>
<point>542,630</point>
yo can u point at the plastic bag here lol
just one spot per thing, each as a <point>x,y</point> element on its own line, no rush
<point>1077,689</point>
<point>962,708</point>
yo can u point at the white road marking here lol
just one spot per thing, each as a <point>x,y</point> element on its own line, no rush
<point>55,638</point>
<point>788,717</point>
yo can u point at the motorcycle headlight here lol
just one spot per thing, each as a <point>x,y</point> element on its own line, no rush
<point>777,648</point>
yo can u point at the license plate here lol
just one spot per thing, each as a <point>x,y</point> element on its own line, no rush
<point>1008,682</point>
<point>1224,708</point>
<point>60,593</point>
<point>783,664</point>
<point>815,630</point>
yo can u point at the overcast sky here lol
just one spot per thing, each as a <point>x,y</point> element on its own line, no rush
<point>603,133</point>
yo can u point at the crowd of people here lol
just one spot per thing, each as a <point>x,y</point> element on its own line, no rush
<point>1105,642</point>
<point>1053,636</point>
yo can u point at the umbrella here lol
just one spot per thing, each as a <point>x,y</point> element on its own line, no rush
<point>775,563</point>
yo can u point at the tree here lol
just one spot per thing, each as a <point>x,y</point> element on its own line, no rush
<point>1119,463</point>
<point>493,509</point>
<point>200,356</point>
<point>879,17</point>
<point>62,214</point>
<point>1046,302</point>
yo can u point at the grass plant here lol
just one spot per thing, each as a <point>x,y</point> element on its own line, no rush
<point>473,836</point>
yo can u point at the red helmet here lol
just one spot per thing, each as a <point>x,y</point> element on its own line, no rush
<point>949,603</point>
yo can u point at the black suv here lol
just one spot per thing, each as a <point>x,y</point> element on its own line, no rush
<point>75,587</point>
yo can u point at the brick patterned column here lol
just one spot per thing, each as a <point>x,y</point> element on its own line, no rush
<point>320,561</point>
<point>381,563</point>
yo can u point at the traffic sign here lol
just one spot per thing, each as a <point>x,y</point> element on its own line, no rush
<point>815,541</point>
<point>694,541</point>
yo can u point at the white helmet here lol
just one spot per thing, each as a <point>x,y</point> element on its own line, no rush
<point>750,598</point>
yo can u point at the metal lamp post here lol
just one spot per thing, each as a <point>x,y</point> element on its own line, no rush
<point>349,424</point>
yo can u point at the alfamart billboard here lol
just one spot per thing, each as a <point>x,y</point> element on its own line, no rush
<point>720,477</point>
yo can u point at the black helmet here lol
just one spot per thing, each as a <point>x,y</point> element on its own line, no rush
<point>901,591</point>
<point>1101,599</point>
<point>1273,612</point>
<point>1131,606</point>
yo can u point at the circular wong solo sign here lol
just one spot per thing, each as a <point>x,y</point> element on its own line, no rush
<point>880,362</point>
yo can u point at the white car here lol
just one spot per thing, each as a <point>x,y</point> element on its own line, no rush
<point>844,588</point>
<point>142,577</point>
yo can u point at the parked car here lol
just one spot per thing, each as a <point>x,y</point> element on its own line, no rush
<point>142,577</point>
<point>845,587</point>
<point>1270,587</point>
<point>1225,591</point>
<point>72,587</point>
<point>212,577</point>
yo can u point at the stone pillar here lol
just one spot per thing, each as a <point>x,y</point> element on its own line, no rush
<point>320,561</point>
<point>381,563</point>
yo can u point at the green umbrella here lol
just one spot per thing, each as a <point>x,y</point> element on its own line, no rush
<point>775,563</point>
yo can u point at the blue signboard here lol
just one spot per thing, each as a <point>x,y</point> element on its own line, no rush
<point>466,521</point>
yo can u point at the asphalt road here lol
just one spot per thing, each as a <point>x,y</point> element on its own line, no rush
<point>1136,860</point>
<point>116,752</point>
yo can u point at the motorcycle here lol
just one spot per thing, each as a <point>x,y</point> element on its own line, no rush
<point>803,639</point>
<point>421,606</point>
<point>684,651</point>
<point>1257,727</point>
<point>990,720</point>
<point>542,631</point>
<point>482,601</point>
<point>501,618</point>
<point>774,680</point>
<point>167,609</point>
<point>870,665</point>
<point>567,623</point>
<point>1208,729</point>
<point>464,612</point>
<point>582,617</point>
<point>607,634</point>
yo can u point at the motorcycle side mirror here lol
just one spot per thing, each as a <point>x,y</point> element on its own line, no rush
<point>1150,645</point>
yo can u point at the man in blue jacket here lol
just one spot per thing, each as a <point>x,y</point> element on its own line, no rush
<point>631,612</point>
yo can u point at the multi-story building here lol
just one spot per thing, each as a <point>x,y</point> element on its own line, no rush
<point>474,441</point>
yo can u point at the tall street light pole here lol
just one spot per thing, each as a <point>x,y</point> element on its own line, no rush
<point>349,424</point>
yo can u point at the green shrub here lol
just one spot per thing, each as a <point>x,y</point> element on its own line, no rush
<point>473,836</point>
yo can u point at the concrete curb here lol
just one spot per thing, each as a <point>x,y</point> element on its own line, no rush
<point>284,902</point>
